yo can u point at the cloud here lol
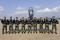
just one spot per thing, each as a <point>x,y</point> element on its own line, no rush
<point>21,10</point>
<point>37,7</point>
<point>1,9</point>
<point>48,10</point>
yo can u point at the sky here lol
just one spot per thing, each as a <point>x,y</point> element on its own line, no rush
<point>19,8</point>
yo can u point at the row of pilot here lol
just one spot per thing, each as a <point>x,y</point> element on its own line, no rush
<point>34,22</point>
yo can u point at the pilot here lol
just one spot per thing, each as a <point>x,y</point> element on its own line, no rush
<point>35,25</point>
<point>11,25</point>
<point>46,24</point>
<point>16,25</point>
<point>4,22</point>
<point>40,25</point>
<point>54,22</point>
<point>23,25</point>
